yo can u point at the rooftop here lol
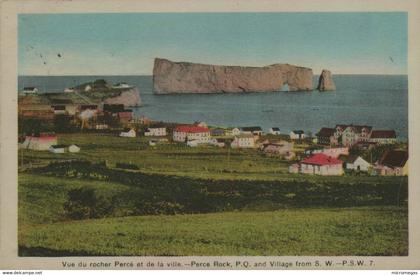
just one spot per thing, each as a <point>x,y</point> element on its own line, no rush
<point>191,129</point>
<point>394,158</point>
<point>321,159</point>
<point>326,132</point>
<point>383,134</point>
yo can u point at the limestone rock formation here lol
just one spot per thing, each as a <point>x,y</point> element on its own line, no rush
<point>325,82</point>
<point>183,77</point>
<point>130,98</point>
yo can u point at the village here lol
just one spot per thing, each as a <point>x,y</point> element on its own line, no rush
<point>343,149</point>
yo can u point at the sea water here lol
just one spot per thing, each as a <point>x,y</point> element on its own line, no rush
<point>380,101</point>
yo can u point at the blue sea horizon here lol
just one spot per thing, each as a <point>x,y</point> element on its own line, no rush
<point>380,101</point>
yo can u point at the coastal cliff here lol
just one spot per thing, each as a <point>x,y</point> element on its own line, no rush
<point>130,98</point>
<point>184,77</point>
<point>325,82</point>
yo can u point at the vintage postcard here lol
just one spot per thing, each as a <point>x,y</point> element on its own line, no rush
<point>209,135</point>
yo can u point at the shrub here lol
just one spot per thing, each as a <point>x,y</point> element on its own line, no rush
<point>83,203</point>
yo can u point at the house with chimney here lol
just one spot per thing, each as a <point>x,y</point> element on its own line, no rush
<point>392,163</point>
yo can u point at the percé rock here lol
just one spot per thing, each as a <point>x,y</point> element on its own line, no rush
<point>130,98</point>
<point>184,77</point>
<point>325,82</point>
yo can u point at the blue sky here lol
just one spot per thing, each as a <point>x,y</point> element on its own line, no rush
<point>121,44</point>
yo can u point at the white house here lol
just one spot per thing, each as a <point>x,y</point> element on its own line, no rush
<point>356,163</point>
<point>185,133</point>
<point>57,149</point>
<point>29,90</point>
<point>217,142</point>
<point>74,148</point>
<point>243,141</point>
<point>254,130</point>
<point>274,131</point>
<point>128,133</point>
<point>320,164</point>
<point>193,143</point>
<point>383,136</point>
<point>155,132</point>
<point>297,135</point>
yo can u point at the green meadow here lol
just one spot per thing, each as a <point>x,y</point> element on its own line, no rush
<point>199,201</point>
<point>205,162</point>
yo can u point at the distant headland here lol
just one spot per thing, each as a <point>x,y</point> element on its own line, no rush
<point>184,77</point>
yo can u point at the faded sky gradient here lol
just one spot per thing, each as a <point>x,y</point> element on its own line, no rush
<point>126,44</point>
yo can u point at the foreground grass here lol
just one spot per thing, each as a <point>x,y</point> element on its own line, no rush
<point>345,231</point>
<point>41,198</point>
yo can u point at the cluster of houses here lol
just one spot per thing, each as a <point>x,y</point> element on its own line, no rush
<point>331,158</point>
<point>89,115</point>
<point>355,135</point>
<point>335,161</point>
<point>200,134</point>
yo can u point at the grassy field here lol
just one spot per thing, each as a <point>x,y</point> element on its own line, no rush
<point>45,230</point>
<point>222,201</point>
<point>354,231</point>
<point>180,160</point>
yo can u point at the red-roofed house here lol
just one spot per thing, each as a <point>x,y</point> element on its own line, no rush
<point>383,136</point>
<point>184,133</point>
<point>40,142</point>
<point>321,164</point>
